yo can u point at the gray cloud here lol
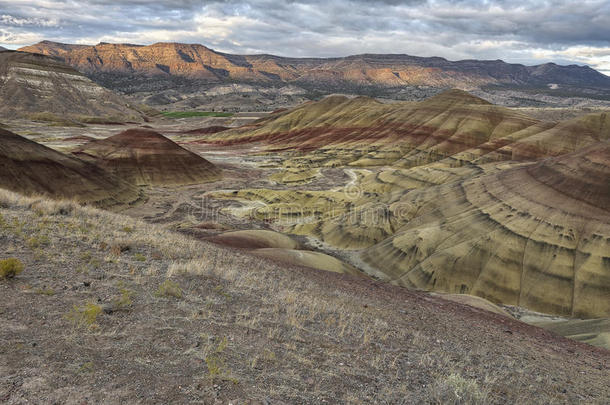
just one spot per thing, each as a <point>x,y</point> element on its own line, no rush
<point>520,31</point>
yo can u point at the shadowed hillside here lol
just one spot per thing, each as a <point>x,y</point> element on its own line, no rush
<point>30,168</point>
<point>146,157</point>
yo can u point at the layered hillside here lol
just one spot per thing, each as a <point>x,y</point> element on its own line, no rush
<point>198,62</point>
<point>454,128</point>
<point>146,157</point>
<point>450,194</point>
<point>33,169</point>
<point>536,236</point>
<point>32,85</point>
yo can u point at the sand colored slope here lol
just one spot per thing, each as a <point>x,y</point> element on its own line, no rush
<point>474,301</point>
<point>536,236</point>
<point>315,260</point>
<point>254,239</point>
<point>30,168</point>
<point>146,157</point>
<point>592,331</point>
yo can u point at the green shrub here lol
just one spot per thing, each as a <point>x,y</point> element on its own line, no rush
<point>38,241</point>
<point>84,316</point>
<point>9,268</point>
<point>169,289</point>
<point>124,301</point>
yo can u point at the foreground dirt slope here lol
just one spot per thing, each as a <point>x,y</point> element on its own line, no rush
<point>30,168</point>
<point>188,322</point>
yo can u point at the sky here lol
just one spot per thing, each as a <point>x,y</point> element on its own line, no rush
<point>518,31</point>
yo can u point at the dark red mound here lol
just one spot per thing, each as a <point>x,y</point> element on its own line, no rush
<point>148,158</point>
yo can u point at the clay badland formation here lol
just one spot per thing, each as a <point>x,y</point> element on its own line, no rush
<point>455,195</point>
<point>33,169</point>
<point>506,212</point>
<point>145,157</point>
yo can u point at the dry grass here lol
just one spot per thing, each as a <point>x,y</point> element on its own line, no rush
<point>243,328</point>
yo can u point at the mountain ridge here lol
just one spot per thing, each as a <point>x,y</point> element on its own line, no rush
<point>196,61</point>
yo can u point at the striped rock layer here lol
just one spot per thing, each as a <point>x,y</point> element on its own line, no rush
<point>145,157</point>
<point>33,169</point>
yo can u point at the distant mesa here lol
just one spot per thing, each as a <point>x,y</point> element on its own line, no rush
<point>146,157</point>
<point>194,61</point>
<point>29,168</point>
<point>41,87</point>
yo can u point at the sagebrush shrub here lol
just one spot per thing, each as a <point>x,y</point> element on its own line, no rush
<point>9,268</point>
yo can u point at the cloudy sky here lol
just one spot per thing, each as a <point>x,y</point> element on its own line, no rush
<point>523,31</point>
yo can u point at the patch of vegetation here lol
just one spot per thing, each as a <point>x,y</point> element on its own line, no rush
<point>84,316</point>
<point>10,267</point>
<point>54,120</point>
<point>38,241</point>
<point>124,300</point>
<point>169,289</point>
<point>189,114</point>
<point>87,367</point>
<point>101,120</point>
<point>45,291</point>
<point>455,389</point>
<point>140,257</point>
<point>216,364</point>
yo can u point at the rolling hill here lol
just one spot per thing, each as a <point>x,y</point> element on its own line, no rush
<point>454,128</point>
<point>536,236</point>
<point>451,194</point>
